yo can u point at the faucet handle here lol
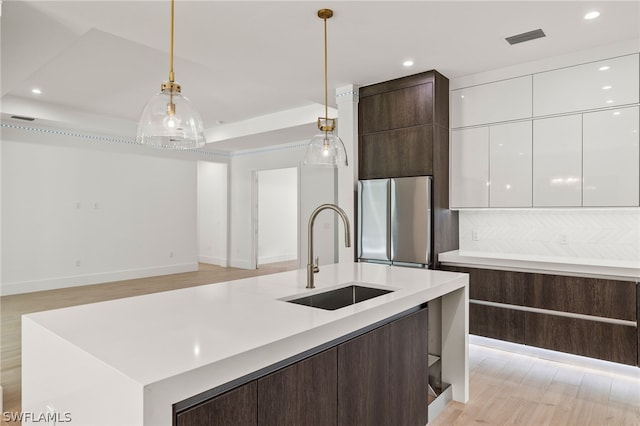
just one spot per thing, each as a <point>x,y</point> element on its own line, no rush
<point>316,268</point>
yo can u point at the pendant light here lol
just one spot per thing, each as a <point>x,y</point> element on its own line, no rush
<point>326,148</point>
<point>168,120</point>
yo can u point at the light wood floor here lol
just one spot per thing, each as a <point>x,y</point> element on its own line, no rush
<point>13,307</point>
<point>506,388</point>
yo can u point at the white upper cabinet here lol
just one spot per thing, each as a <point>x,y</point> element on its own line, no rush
<point>611,157</point>
<point>470,167</point>
<point>491,103</point>
<point>557,162</point>
<point>510,165</point>
<point>588,86</point>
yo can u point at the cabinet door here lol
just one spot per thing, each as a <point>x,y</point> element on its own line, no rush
<point>611,158</point>
<point>397,109</point>
<point>396,153</point>
<point>510,170</point>
<point>491,103</point>
<point>363,385</point>
<point>557,162</point>
<point>302,394</point>
<point>238,407</point>
<point>588,86</point>
<point>470,168</point>
<point>409,373</point>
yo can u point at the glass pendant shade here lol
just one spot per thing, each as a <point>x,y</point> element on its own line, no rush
<point>169,121</point>
<point>326,150</point>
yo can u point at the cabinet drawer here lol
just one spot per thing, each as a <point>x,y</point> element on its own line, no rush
<point>494,286</point>
<point>497,323</point>
<point>588,296</point>
<point>611,342</point>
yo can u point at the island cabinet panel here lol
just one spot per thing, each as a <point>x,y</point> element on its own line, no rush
<point>383,377</point>
<point>588,296</point>
<point>238,407</point>
<point>303,394</point>
<point>363,387</point>
<point>409,380</point>
<point>594,339</point>
<point>397,153</point>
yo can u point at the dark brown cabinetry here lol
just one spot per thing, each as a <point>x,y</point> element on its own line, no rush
<point>363,388</point>
<point>403,131</point>
<point>377,378</point>
<point>238,407</point>
<point>397,123</point>
<point>302,394</point>
<point>383,375</point>
<point>591,317</point>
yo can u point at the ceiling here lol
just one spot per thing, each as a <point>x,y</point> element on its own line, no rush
<point>237,60</point>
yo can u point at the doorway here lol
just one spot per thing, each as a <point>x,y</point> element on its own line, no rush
<point>276,228</point>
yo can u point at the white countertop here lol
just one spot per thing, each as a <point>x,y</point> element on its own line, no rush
<point>179,343</point>
<point>615,270</point>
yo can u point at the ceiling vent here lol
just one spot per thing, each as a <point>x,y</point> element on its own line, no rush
<point>520,38</point>
<point>21,117</point>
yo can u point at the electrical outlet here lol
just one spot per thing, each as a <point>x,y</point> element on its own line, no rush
<point>563,239</point>
<point>77,262</point>
<point>474,235</point>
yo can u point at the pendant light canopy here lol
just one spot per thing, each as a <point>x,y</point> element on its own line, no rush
<point>326,149</point>
<point>168,120</point>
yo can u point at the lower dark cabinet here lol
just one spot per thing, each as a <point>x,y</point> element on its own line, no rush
<point>409,373</point>
<point>238,407</point>
<point>601,340</point>
<point>302,394</point>
<point>582,316</point>
<point>363,388</point>
<point>497,323</point>
<point>378,378</point>
<point>383,375</point>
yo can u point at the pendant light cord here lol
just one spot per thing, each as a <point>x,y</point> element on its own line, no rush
<point>326,96</point>
<point>171,74</point>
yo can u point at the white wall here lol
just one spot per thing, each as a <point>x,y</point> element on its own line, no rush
<point>277,215</point>
<point>317,186</point>
<point>583,234</point>
<point>75,216</point>
<point>212,213</point>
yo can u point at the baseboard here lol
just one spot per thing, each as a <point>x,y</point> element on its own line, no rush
<point>212,260</point>
<point>7,289</point>
<point>273,259</point>
<point>242,264</point>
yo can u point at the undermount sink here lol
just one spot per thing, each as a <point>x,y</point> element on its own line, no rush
<point>340,297</point>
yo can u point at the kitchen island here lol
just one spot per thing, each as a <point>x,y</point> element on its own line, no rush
<point>128,361</point>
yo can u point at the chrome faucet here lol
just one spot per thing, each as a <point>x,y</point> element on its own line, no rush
<point>312,267</point>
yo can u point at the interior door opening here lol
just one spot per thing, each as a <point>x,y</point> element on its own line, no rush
<point>276,227</point>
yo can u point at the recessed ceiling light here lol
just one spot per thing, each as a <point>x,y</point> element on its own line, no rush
<point>36,91</point>
<point>592,15</point>
<point>606,87</point>
<point>603,68</point>
<point>408,63</point>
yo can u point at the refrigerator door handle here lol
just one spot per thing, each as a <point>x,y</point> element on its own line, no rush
<point>391,206</point>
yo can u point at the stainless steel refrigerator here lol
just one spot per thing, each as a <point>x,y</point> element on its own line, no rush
<point>394,221</point>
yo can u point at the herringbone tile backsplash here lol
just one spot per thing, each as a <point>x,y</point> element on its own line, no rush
<point>607,235</point>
